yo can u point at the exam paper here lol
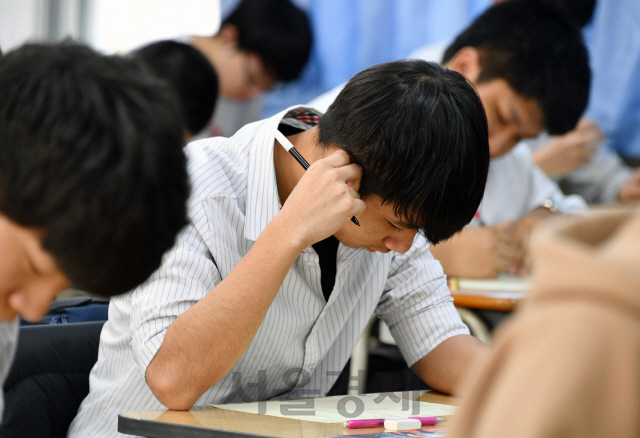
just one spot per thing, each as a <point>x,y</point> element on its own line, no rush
<point>340,408</point>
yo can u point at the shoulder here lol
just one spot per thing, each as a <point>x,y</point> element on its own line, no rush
<point>515,165</point>
<point>218,165</point>
<point>8,340</point>
<point>418,255</point>
<point>519,155</point>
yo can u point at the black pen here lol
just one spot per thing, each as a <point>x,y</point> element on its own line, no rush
<point>288,146</point>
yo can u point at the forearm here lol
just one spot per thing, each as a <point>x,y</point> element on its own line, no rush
<point>481,252</point>
<point>445,366</point>
<point>202,345</point>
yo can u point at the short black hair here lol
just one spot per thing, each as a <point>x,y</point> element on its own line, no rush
<point>278,31</point>
<point>91,155</point>
<point>538,51</point>
<point>420,134</point>
<point>578,11</point>
<point>190,73</point>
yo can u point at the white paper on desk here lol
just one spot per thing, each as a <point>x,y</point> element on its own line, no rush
<point>341,408</point>
<point>504,283</point>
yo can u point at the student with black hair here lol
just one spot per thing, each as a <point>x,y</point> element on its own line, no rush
<point>190,74</point>
<point>260,43</point>
<point>530,68</point>
<point>579,12</point>
<point>271,285</point>
<point>581,161</point>
<point>93,180</point>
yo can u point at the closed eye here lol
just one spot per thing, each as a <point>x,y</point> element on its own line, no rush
<point>395,228</point>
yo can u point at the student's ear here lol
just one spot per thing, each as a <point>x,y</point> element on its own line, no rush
<point>466,61</point>
<point>229,34</point>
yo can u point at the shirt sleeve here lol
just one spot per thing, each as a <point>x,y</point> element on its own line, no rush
<point>8,340</point>
<point>188,272</point>
<point>417,304</point>
<point>601,179</point>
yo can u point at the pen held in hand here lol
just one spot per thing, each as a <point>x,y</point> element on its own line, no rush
<point>288,146</point>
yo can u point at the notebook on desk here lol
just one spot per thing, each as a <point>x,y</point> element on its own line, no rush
<point>505,286</point>
<point>337,409</point>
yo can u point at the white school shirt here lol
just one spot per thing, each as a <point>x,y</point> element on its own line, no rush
<point>8,340</point>
<point>304,342</point>
<point>516,187</point>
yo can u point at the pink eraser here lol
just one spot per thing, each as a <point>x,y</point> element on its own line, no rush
<point>402,424</point>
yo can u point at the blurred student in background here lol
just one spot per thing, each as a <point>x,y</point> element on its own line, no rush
<point>566,365</point>
<point>538,55</point>
<point>582,161</point>
<point>577,160</point>
<point>530,68</point>
<point>192,77</point>
<point>260,43</point>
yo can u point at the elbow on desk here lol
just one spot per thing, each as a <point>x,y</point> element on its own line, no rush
<point>170,394</point>
<point>172,390</point>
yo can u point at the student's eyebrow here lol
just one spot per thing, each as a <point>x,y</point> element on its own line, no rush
<point>400,223</point>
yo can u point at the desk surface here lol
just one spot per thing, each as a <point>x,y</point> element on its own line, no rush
<point>210,422</point>
<point>487,300</point>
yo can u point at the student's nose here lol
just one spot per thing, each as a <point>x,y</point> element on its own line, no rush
<point>400,242</point>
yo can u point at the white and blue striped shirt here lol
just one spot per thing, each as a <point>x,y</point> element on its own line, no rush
<point>8,341</point>
<point>303,342</point>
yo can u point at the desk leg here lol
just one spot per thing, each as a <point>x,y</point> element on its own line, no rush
<point>359,361</point>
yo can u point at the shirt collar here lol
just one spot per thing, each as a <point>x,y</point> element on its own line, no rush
<point>262,194</point>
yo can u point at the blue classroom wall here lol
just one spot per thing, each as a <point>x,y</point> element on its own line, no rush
<point>613,40</point>
<point>351,35</point>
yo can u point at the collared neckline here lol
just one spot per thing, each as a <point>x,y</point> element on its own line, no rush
<point>262,194</point>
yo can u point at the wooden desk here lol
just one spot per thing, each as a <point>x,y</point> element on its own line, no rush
<point>501,294</point>
<point>487,300</point>
<point>201,422</point>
